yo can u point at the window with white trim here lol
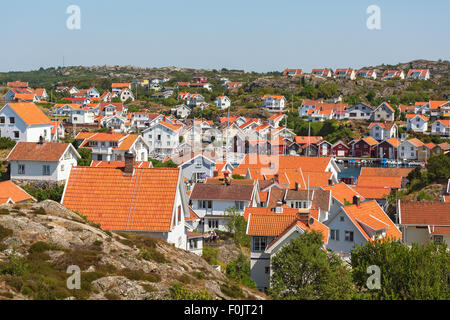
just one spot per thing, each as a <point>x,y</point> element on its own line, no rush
<point>259,244</point>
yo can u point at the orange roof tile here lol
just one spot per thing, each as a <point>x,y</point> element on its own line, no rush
<point>30,113</point>
<point>342,192</point>
<point>9,190</point>
<point>370,141</point>
<point>424,213</point>
<point>380,181</point>
<point>33,151</point>
<point>370,214</point>
<point>120,164</point>
<point>372,193</point>
<point>142,202</point>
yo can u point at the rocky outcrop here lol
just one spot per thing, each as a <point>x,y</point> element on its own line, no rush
<point>117,266</point>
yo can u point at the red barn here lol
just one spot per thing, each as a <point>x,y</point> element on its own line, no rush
<point>340,149</point>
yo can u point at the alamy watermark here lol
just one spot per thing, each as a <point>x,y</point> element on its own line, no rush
<point>74,281</point>
<point>374,281</point>
<point>374,20</point>
<point>73,22</point>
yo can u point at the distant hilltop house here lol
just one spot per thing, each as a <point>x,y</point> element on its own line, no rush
<point>222,102</point>
<point>274,103</point>
<point>17,85</point>
<point>233,85</point>
<point>292,72</point>
<point>421,74</point>
<point>24,122</point>
<point>366,73</point>
<point>416,122</point>
<point>393,74</point>
<point>345,74</point>
<point>325,73</point>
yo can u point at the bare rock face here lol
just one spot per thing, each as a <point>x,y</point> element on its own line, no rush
<point>119,266</point>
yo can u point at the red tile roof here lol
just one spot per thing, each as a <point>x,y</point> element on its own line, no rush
<point>8,190</point>
<point>33,151</point>
<point>380,181</point>
<point>370,214</point>
<point>343,192</point>
<point>30,113</point>
<point>435,213</point>
<point>119,164</point>
<point>142,202</point>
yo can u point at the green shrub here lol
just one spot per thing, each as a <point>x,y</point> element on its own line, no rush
<point>5,232</point>
<point>181,292</point>
<point>6,143</point>
<point>232,290</point>
<point>140,275</point>
<point>112,296</point>
<point>4,212</point>
<point>41,246</point>
<point>239,271</point>
<point>41,194</point>
<point>210,255</point>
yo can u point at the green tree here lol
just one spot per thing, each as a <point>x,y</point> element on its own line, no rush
<point>238,226</point>
<point>415,272</point>
<point>303,270</point>
<point>86,157</point>
<point>239,271</point>
<point>438,168</point>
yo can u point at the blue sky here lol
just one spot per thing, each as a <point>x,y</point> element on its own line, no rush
<point>254,35</point>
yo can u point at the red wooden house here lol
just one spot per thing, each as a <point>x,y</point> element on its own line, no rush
<point>324,148</point>
<point>340,149</point>
<point>388,148</point>
<point>365,147</point>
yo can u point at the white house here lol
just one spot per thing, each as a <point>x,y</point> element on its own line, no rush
<point>116,123</point>
<point>358,224</point>
<point>423,222</point>
<point>408,149</point>
<point>114,146</point>
<point>367,73</point>
<point>393,74</point>
<point>42,161</point>
<point>118,87</point>
<point>272,228</point>
<point>441,127</point>
<point>360,111</point>
<point>345,74</point>
<point>24,122</point>
<point>123,94</point>
<point>382,131</point>
<point>222,102</point>
<point>384,112</point>
<point>210,201</point>
<point>150,201</point>
<point>421,74</point>
<point>182,111</point>
<point>416,123</point>
<point>162,138</point>
<point>274,103</point>
<point>325,73</point>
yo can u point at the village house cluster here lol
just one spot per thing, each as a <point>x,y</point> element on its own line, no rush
<point>282,184</point>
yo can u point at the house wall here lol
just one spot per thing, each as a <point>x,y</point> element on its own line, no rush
<point>169,140</point>
<point>407,151</point>
<point>259,261</point>
<point>81,117</point>
<point>26,133</point>
<point>383,114</point>
<point>413,234</point>
<point>194,166</point>
<point>416,124</point>
<point>59,171</point>
<point>347,225</point>
<point>358,111</point>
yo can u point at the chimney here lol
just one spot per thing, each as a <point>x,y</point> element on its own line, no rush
<point>356,200</point>
<point>305,218</point>
<point>215,173</point>
<point>330,182</point>
<point>227,178</point>
<point>276,177</point>
<point>41,140</point>
<point>129,164</point>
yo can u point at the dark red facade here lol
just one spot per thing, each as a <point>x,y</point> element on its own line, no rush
<point>386,150</point>
<point>363,149</point>
<point>340,150</point>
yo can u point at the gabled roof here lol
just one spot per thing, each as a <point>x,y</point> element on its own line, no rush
<point>372,192</point>
<point>305,139</point>
<point>422,72</point>
<point>120,164</point>
<point>435,213</point>
<point>413,115</point>
<point>385,172</point>
<point>342,192</point>
<point>276,116</point>
<point>274,97</point>
<point>120,85</point>
<point>369,217</point>
<point>29,113</point>
<point>33,151</point>
<point>393,142</point>
<point>9,190</point>
<point>435,104</point>
<point>445,123</point>
<point>141,202</point>
<point>370,141</point>
<point>415,142</point>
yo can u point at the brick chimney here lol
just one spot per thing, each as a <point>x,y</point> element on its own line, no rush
<point>276,177</point>
<point>357,201</point>
<point>305,218</point>
<point>129,164</point>
<point>297,186</point>
<point>215,173</point>
<point>41,140</point>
